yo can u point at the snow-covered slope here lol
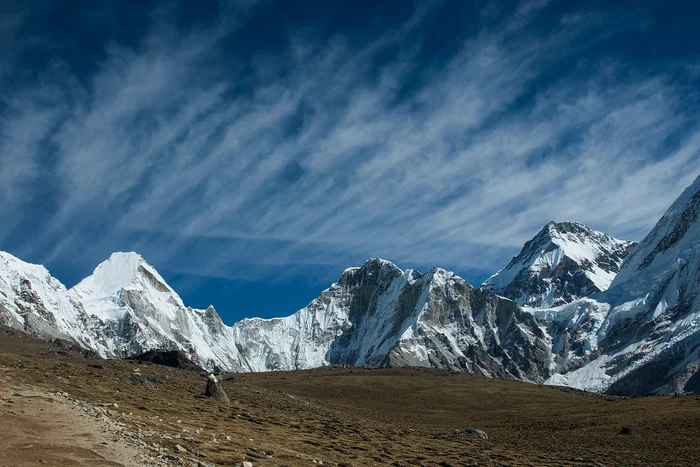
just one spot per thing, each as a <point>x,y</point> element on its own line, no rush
<point>124,307</point>
<point>31,299</point>
<point>563,262</point>
<point>642,335</point>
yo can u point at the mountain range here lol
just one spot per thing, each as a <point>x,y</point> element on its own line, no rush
<point>575,307</point>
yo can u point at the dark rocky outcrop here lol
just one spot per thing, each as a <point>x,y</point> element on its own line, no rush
<point>171,358</point>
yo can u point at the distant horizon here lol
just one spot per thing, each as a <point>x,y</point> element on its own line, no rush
<point>253,150</point>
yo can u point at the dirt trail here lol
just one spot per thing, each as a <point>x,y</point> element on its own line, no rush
<point>40,428</point>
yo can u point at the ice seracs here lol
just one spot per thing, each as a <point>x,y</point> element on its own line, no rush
<point>563,262</point>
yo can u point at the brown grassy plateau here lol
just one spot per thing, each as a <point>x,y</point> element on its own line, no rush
<point>357,417</point>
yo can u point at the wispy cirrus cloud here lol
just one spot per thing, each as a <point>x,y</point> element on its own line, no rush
<point>324,153</point>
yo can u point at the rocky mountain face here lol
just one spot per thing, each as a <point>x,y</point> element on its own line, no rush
<point>563,262</point>
<point>636,332</point>
<point>642,335</point>
<point>381,315</point>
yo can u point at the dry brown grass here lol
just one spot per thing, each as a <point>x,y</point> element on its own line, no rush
<point>352,416</point>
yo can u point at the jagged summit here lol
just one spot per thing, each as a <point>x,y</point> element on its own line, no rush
<point>567,227</point>
<point>562,262</point>
<point>379,264</point>
<point>373,271</point>
<point>380,261</point>
<point>381,315</point>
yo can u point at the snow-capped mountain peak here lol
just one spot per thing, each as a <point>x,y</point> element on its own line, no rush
<point>122,270</point>
<point>564,261</point>
<point>123,307</point>
<point>103,291</point>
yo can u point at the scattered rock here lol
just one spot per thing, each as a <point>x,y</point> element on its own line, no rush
<point>216,390</point>
<point>138,380</point>
<point>247,464</point>
<point>592,462</point>
<point>180,449</point>
<point>475,432</point>
<point>626,430</point>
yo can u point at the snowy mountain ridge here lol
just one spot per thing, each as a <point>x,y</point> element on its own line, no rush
<point>381,315</point>
<point>374,315</point>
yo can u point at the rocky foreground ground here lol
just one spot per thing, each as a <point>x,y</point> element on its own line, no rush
<point>58,406</point>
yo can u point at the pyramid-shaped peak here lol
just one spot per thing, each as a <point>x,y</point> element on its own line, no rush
<point>121,266</point>
<point>131,255</point>
<point>121,270</point>
<point>564,261</point>
<point>568,234</point>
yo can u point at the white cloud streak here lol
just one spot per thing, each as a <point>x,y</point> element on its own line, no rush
<point>327,158</point>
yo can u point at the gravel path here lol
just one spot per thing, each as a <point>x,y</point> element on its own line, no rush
<point>42,428</point>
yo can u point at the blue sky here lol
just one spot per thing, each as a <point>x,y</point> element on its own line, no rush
<point>252,150</point>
